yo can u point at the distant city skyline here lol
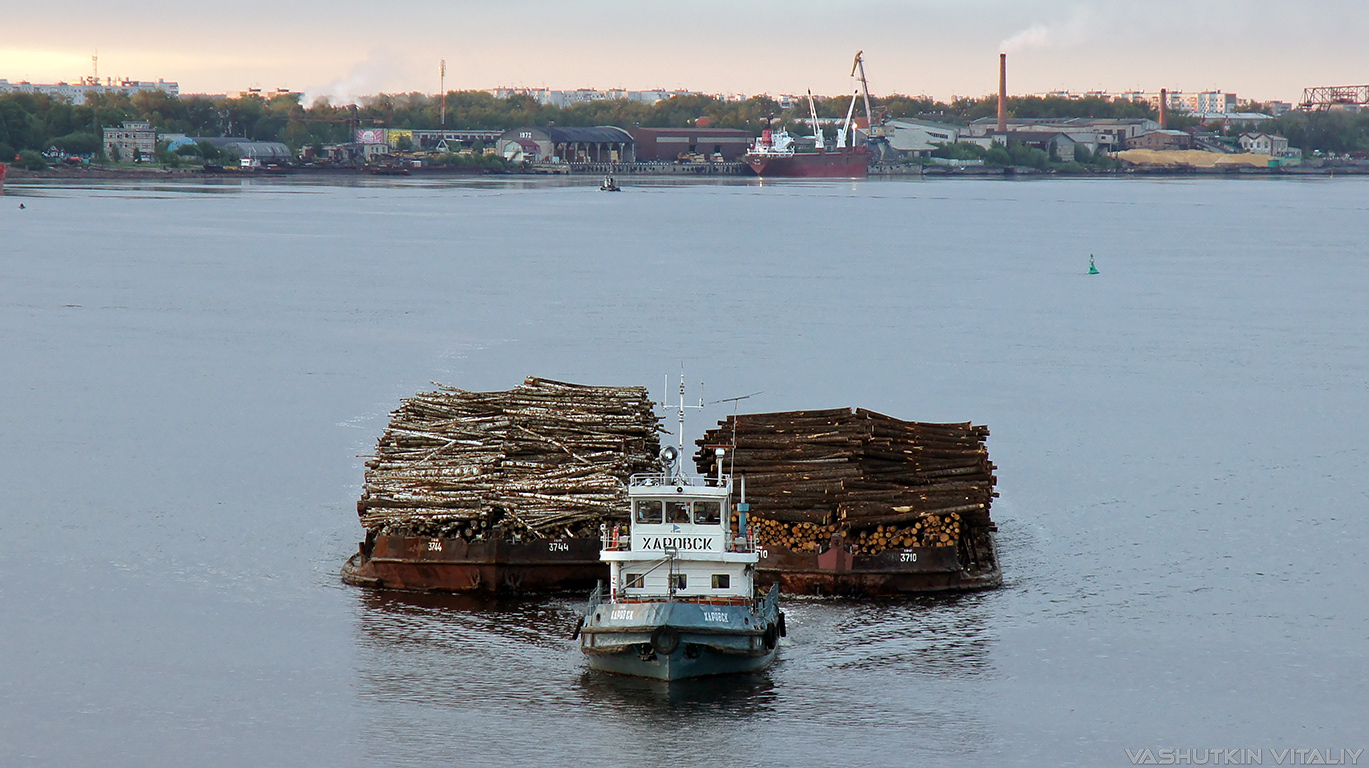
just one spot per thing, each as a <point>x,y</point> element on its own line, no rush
<point>1258,49</point>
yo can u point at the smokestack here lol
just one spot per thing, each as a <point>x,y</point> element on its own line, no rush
<point>1002,93</point>
<point>1164,109</point>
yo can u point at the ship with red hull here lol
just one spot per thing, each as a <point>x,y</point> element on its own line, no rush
<point>776,154</point>
<point>845,163</point>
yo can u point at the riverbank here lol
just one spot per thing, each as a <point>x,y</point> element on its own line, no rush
<point>696,170</point>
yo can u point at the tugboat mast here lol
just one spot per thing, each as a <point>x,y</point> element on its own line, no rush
<point>680,406</point>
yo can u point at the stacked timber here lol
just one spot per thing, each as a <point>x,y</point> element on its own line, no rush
<point>879,481</point>
<point>545,458</point>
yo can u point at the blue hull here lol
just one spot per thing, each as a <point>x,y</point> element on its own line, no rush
<point>681,664</point>
<point>674,639</point>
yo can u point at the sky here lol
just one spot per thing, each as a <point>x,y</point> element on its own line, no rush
<point>342,49</point>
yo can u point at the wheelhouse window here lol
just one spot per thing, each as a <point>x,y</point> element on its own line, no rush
<point>722,580</point>
<point>648,511</point>
<point>678,582</point>
<point>632,581</point>
<point>708,512</point>
<point>677,512</point>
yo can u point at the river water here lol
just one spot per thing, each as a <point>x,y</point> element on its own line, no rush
<point>192,371</point>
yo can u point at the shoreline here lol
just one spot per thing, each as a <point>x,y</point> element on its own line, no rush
<point>674,171</point>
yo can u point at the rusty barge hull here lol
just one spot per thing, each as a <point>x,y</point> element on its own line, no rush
<point>419,564</point>
<point>914,570</point>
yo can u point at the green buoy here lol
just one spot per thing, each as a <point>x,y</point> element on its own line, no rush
<point>1092,269</point>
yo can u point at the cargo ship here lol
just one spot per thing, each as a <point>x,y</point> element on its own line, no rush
<point>776,153</point>
<point>773,156</point>
<point>508,492</point>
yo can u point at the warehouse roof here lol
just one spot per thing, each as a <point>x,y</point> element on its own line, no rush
<point>597,134</point>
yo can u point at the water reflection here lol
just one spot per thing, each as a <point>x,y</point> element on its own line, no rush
<point>390,619</point>
<point>507,669</point>
<point>930,635</point>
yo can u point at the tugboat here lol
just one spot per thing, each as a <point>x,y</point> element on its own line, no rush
<point>681,599</point>
<point>609,185</point>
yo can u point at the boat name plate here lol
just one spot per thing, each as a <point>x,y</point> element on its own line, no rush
<point>690,543</point>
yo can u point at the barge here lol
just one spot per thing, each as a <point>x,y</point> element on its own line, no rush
<point>500,493</point>
<point>500,565</point>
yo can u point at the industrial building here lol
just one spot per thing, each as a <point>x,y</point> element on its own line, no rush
<point>1107,134</point>
<point>265,152</point>
<point>671,144</point>
<point>919,137</point>
<point>1161,140</point>
<point>556,144</point>
<point>386,140</point>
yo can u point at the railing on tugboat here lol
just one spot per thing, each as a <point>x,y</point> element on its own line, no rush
<point>662,479</point>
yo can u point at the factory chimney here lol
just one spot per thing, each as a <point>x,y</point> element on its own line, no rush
<point>1164,109</point>
<point>1002,93</point>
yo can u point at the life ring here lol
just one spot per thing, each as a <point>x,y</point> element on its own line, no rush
<point>665,640</point>
<point>770,635</point>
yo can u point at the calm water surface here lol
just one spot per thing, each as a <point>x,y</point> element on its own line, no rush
<point>191,373</point>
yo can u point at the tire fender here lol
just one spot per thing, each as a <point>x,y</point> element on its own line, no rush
<point>665,640</point>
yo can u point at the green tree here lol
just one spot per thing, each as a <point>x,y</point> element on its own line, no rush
<point>77,143</point>
<point>32,160</point>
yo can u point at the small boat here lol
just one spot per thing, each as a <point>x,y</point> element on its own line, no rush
<point>609,185</point>
<point>681,600</point>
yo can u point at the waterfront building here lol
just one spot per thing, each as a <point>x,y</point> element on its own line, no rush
<point>669,144</point>
<point>919,137</point>
<point>245,149</point>
<point>134,141</point>
<point>1106,134</point>
<point>1161,140</point>
<point>558,144</point>
<point>1265,144</point>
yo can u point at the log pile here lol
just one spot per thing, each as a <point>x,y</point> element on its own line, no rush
<point>545,458</point>
<point>880,481</point>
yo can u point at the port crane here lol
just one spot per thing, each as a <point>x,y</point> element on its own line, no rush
<point>870,129</point>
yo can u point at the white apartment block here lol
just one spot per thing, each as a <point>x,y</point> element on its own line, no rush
<point>580,95</point>
<point>76,92</point>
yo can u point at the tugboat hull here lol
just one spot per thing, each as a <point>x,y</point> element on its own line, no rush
<point>707,662</point>
<point>672,640</point>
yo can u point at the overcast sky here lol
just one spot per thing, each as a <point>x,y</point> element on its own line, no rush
<point>1259,49</point>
